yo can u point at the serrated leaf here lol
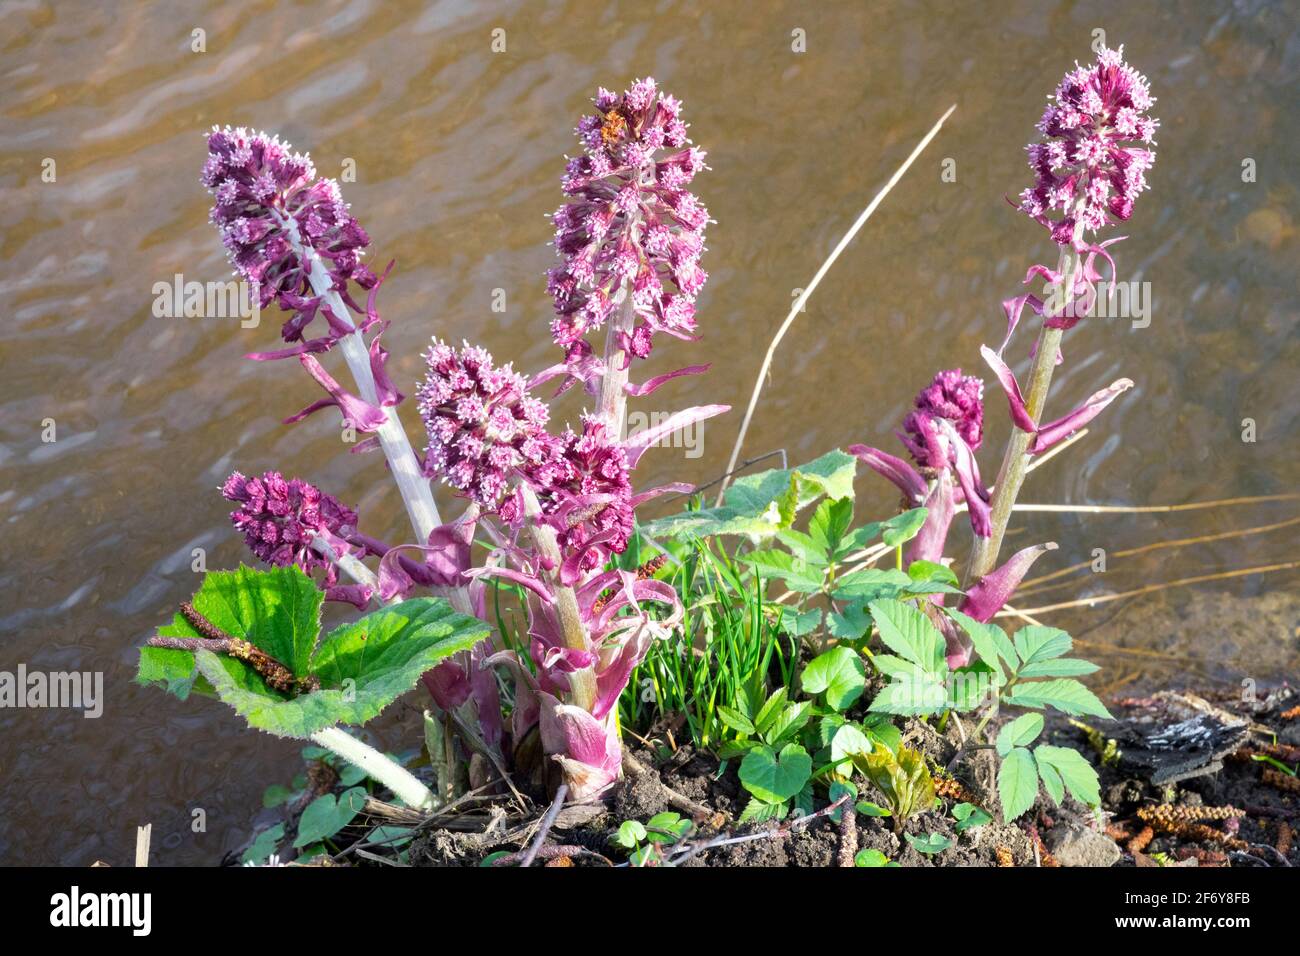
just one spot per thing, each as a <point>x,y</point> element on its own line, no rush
<point>770,710</point>
<point>909,634</point>
<point>839,674</point>
<point>990,641</point>
<point>931,571</point>
<point>363,667</point>
<point>1078,775</point>
<point>849,623</point>
<point>1017,783</point>
<point>735,720</point>
<point>800,623</point>
<point>1037,643</point>
<point>970,686</point>
<point>760,505</point>
<point>1051,780</point>
<point>759,811</point>
<point>263,846</point>
<point>872,583</point>
<point>902,528</point>
<point>1063,693</point>
<point>1021,732</point>
<point>775,777</point>
<point>908,697</point>
<point>902,777</point>
<point>790,720</point>
<point>797,574</point>
<point>803,546</point>
<point>830,522</point>
<point>1061,667</point>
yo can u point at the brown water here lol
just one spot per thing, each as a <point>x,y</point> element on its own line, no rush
<point>458,152</point>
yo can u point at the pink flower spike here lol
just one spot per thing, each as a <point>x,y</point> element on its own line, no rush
<point>968,477</point>
<point>991,593</point>
<point>1019,413</point>
<point>1054,432</point>
<point>904,476</point>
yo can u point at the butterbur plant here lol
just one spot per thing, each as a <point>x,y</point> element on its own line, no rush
<point>555,504</point>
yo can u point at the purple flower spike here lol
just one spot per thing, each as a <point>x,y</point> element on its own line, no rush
<point>483,425</point>
<point>587,749</point>
<point>991,593</point>
<point>630,227</point>
<point>265,197</point>
<point>1053,432</point>
<point>951,397</point>
<point>1089,164</point>
<point>280,518</point>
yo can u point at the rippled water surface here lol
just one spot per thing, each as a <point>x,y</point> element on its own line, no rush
<point>457,153</point>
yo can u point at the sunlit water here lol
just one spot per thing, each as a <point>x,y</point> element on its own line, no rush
<point>457,153</point>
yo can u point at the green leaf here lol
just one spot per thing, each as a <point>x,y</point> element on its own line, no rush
<point>630,834</point>
<point>902,528</point>
<point>969,816</point>
<point>1017,783</point>
<point>839,674</point>
<point>803,547</point>
<point>838,789</point>
<point>931,571</point>
<point>326,816</point>
<point>1078,775</point>
<point>869,809</point>
<point>1065,694</point>
<point>1061,667</point>
<point>800,623</point>
<point>668,827</point>
<point>909,696</point>
<point>850,623</point>
<point>849,740</point>
<point>264,846</point>
<point>989,640</point>
<point>760,505</point>
<point>908,633</point>
<point>970,686</point>
<point>775,778</point>
<point>872,858</point>
<point>1037,643</point>
<point>830,522</point>
<point>902,777</point>
<point>770,710</point>
<point>759,811</point>
<point>872,583</point>
<point>735,720</point>
<point>797,574</point>
<point>1052,782</point>
<point>1021,732</point>
<point>363,667</point>
<point>789,721</point>
<point>930,843</point>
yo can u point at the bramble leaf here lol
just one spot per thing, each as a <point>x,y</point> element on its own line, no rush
<point>1017,783</point>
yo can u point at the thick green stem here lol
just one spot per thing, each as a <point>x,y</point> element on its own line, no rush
<point>1015,461</point>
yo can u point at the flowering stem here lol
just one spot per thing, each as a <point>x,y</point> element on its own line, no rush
<point>1016,460</point>
<point>349,564</point>
<point>411,483</point>
<point>582,682</point>
<point>392,775</point>
<point>613,394</point>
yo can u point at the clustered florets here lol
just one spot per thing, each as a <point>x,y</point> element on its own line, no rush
<point>263,192</point>
<point>955,398</point>
<point>483,425</point>
<point>281,517</point>
<point>631,227</point>
<point>1084,167</point>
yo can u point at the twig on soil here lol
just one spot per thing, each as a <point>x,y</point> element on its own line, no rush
<point>700,813</point>
<point>561,792</point>
<point>806,294</point>
<point>555,851</point>
<point>688,849</point>
<point>848,836</point>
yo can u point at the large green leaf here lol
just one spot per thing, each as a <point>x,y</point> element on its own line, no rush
<point>1079,776</point>
<point>761,505</point>
<point>908,633</point>
<point>1017,783</point>
<point>839,673</point>
<point>362,666</point>
<point>773,777</point>
<point>1063,693</point>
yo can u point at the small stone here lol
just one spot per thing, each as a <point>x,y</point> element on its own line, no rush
<point>1079,846</point>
